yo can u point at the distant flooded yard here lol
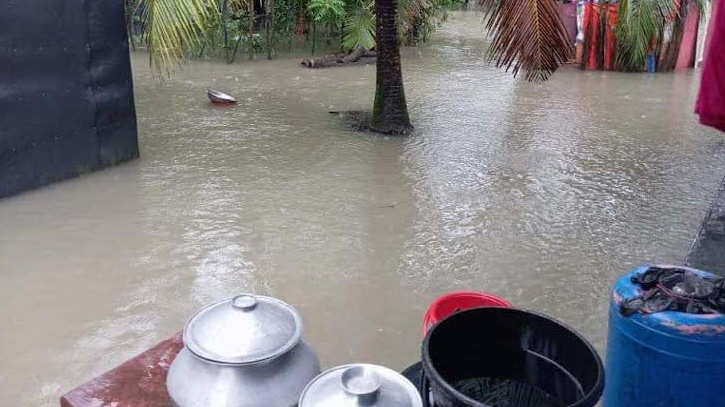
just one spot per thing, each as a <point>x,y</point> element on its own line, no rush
<point>543,194</point>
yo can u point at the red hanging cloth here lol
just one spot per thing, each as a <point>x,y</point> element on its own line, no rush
<point>711,101</point>
<point>612,20</point>
<point>591,32</point>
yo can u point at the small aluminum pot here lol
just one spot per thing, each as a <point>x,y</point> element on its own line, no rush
<point>245,351</point>
<point>360,385</point>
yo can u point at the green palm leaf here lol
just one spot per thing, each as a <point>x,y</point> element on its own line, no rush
<point>326,11</point>
<point>410,12</point>
<point>640,23</point>
<point>359,27</point>
<point>528,35</point>
<point>170,26</point>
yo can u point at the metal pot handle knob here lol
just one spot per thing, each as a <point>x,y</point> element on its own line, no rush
<point>244,302</point>
<point>361,382</point>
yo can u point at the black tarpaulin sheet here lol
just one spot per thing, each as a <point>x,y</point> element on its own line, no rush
<point>66,92</point>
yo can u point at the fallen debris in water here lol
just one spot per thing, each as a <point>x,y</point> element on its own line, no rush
<point>339,60</point>
<point>220,98</point>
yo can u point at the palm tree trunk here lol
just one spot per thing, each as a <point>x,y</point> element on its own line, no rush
<point>314,36</point>
<point>236,45</point>
<point>250,8</point>
<point>390,112</point>
<point>270,28</point>
<point>225,29</point>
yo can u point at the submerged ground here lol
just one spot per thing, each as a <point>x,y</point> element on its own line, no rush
<point>543,194</point>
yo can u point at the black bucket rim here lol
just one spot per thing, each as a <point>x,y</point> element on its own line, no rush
<point>589,399</point>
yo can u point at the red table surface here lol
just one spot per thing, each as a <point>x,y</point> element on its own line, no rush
<point>139,382</point>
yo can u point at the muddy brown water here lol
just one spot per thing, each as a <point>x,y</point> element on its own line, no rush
<point>543,194</point>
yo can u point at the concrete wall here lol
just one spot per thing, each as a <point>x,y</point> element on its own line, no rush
<point>66,92</point>
<point>708,250</point>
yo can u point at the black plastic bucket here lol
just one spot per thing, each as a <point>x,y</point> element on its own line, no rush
<point>505,357</point>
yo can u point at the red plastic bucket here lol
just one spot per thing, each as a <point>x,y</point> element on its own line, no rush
<point>447,304</point>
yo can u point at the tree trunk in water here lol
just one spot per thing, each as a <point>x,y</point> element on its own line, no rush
<point>270,29</point>
<point>251,28</point>
<point>225,18</point>
<point>236,45</point>
<point>354,56</point>
<point>314,35</point>
<point>390,112</point>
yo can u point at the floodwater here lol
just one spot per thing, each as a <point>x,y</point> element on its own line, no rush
<point>543,194</point>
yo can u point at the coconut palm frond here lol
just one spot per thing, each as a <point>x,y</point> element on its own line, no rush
<point>171,26</point>
<point>411,12</point>
<point>528,35</point>
<point>406,16</point>
<point>326,11</point>
<point>359,27</point>
<point>408,9</point>
<point>237,4</point>
<point>640,24</point>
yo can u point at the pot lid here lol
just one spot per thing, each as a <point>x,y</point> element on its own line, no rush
<point>243,329</point>
<point>360,385</point>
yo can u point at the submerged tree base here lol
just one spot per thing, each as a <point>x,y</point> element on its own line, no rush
<point>362,121</point>
<point>359,54</point>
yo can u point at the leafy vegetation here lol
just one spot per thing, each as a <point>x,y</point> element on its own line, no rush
<point>326,11</point>
<point>171,26</point>
<point>175,30</point>
<point>359,26</point>
<point>528,35</point>
<point>642,28</point>
<point>641,23</point>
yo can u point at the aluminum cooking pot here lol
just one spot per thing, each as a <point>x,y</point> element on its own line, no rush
<point>245,351</point>
<point>360,385</point>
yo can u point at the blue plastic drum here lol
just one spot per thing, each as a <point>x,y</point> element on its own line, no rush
<point>664,359</point>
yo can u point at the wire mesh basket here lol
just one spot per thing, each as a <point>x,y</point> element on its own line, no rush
<point>497,392</point>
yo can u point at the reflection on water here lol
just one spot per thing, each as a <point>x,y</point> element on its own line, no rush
<point>541,193</point>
